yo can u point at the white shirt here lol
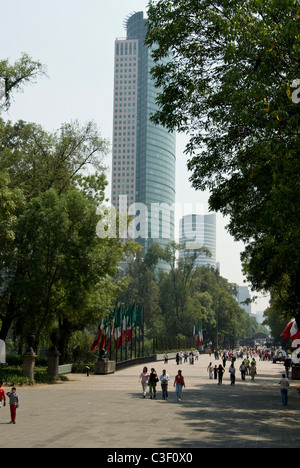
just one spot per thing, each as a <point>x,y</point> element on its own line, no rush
<point>164,378</point>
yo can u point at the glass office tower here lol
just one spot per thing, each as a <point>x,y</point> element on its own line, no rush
<point>143,169</point>
<point>196,231</point>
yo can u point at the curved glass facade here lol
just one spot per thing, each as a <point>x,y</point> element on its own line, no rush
<point>199,230</point>
<point>143,154</point>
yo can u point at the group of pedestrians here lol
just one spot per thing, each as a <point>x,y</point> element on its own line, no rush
<point>246,368</point>
<point>182,357</point>
<point>13,401</point>
<point>151,379</point>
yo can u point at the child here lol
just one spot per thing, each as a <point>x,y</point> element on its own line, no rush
<point>14,404</point>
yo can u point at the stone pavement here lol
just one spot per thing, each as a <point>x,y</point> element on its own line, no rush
<point>108,411</point>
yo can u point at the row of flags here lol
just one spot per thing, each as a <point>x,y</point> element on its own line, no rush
<point>291,331</point>
<point>198,335</point>
<point>118,327</point>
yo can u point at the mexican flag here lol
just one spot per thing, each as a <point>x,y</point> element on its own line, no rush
<point>198,335</point>
<point>118,328</point>
<point>199,341</point>
<point>96,342</point>
<point>130,322</point>
<point>291,331</point>
<point>124,325</point>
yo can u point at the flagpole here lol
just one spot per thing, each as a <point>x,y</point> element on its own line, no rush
<point>139,340</point>
<point>121,324</point>
<point>126,340</point>
<point>143,334</point>
<point>131,324</point>
<point>135,341</point>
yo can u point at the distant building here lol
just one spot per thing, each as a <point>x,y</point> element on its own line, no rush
<point>243,295</point>
<point>260,316</point>
<point>143,154</point>
<point>199,231</point>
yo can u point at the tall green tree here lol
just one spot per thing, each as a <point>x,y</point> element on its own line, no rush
<point>54,270</point>
<point>231,84</point>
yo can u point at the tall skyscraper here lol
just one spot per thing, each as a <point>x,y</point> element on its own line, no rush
<point>244,295</point>
<point>143,165</point>
<point>199,231</point>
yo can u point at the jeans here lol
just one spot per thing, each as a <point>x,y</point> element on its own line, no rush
<point>164,388</point>
<point>284,396</point>
<point>178,390</point>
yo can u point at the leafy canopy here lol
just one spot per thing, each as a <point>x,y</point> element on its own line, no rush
<point>231,84</point>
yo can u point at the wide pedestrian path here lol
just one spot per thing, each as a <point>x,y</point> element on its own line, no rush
<point>108,411</point>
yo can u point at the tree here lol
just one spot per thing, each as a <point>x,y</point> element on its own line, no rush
<point>143,288</point>
<point>13,77</point>
<point>55,271</point>
<point>230,82</point>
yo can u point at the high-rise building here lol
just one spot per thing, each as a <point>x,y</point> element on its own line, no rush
<point>199,231</point>
<point>143,164</point>
<point>242,297</point>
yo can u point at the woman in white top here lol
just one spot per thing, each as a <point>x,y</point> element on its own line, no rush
<point>164,381</point>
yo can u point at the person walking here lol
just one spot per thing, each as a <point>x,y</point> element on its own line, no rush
<point>224,360</point>
<point>247,364</point>
<point>179,382</point>
<point>144,379</point>
<point>210,371</point>
<point>220,374</point>
<point>243,370</point>
<point>2,395</point>
<point>164,381</point>
<point>231,371</point>
<point>284,384</point>
<point>287,364</point>
<point>253,370</point>
<point>14,404</point>
<point>153,379</point>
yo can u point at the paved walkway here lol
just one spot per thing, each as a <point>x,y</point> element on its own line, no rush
<point>108,411</point>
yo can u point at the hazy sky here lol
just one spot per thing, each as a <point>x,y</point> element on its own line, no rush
<point>75,40</point>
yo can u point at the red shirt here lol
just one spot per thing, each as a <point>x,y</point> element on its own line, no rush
<point>179,379</point>
<point>2,393</point>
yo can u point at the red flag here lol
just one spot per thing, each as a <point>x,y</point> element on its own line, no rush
<point>118,328</point>
<point>286,334</point>
<point>131,323</point>
<point>96,342</point>
<point>291,331</point>
<point>124,327</point>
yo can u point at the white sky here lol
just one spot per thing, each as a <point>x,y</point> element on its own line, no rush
<point>75,40</point>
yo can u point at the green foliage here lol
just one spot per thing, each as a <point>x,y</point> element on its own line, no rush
<point>229,84</point>
<point>174,302</point>
<point>12,375</point>
<point>56,274</point>
<point>23,71</point>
